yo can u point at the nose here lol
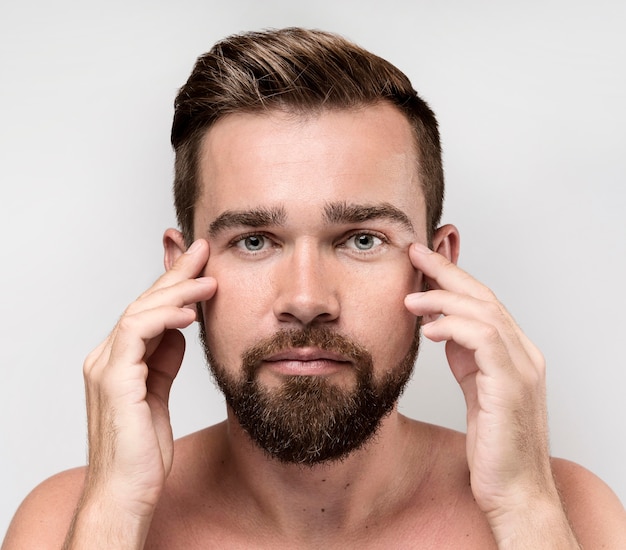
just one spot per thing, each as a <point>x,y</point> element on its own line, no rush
<point>305,289</point>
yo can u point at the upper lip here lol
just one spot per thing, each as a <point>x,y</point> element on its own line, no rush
<point>307,354</point>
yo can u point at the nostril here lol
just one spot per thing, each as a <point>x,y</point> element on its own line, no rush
<point>305,289</point>
<point>307,309</point>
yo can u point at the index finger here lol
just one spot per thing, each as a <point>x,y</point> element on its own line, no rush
<point>188,265</point>
<point>441,273</point>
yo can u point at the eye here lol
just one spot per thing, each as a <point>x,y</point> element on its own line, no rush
<point>363,241</point>
<point>252,243</point>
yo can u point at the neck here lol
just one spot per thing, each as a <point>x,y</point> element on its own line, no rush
<point>346,494</point>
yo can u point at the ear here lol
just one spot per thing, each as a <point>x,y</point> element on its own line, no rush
<point>447,242</point>
<point>173,247</point>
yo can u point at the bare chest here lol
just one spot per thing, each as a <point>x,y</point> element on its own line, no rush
<point>441,526</point>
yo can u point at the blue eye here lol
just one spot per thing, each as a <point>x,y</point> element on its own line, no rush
<point>364,241</point>
<point>252,243</point>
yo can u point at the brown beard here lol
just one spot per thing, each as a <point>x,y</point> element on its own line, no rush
<point>308,419</point>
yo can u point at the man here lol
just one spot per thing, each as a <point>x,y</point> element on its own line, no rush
<point>309,192</point>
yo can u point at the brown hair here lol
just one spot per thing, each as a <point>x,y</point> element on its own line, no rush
<point>301,71</point>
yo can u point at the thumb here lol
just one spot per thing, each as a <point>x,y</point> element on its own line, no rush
<point>164,365</point>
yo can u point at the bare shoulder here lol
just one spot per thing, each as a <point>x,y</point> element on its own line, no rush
<point>43,519</point>
<point>594,511</point>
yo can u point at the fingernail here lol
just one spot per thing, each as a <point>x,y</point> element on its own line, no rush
<point>194,247</point>
<point>413,298</point>
<point>419,247</point>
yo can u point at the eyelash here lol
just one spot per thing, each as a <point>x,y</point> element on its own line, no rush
<point>240,238</point>
<point>384,240</point>
<point>342,243</point>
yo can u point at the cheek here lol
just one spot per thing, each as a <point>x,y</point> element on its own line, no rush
<point>371,300</point>
<point>234,314</point>
<point>375,304</point>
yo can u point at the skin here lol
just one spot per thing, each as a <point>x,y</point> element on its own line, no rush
<point>258,292</point>
<point>414,485</point>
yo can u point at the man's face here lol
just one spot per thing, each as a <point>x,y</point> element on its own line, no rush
<point>309,221</point>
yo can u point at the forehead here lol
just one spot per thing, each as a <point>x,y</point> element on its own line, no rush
<point>366,155</point>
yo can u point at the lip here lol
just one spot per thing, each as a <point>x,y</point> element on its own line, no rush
<point>306,362</point>
<point>306,355</point>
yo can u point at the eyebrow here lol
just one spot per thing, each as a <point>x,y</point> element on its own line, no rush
<point>255,217</point>
<point>334,213</point>
<point>343,212</point>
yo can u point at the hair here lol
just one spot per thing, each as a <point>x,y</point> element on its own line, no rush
<point>300,71</point>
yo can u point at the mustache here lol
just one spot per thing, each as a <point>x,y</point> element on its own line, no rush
<point>316,337</point>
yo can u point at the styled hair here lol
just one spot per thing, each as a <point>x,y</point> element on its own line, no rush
<point>300,71</point>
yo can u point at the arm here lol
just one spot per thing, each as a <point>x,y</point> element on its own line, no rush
<point>127,383</point>
<point>502,376</point>
<point>128,379</point>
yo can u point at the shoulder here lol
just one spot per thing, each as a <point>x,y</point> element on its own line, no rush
<point>44,517</point>
<point>594,511</point>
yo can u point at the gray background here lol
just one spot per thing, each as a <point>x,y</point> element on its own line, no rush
<point>530,96</point>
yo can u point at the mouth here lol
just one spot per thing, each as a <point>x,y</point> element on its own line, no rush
<point>306,361</point>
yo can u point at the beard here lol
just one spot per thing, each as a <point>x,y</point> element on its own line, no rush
<point>308,419</point>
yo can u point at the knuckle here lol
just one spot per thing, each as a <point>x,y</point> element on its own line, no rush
<point>494,310</point>
<point>136,307</point>
<point>490,334</point>
<point>93,359</point>
<point>89,364</point>
<point>127,323</point>
<point>132,308</point>
<point>489,296</point>
<point>540,367</point>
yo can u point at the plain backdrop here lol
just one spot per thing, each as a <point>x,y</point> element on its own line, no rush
<point>531,100</point>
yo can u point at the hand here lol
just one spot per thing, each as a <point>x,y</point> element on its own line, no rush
<point>502,376</point>
<point>128,380</point>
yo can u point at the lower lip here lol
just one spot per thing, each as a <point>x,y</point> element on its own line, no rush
<point>306,368</point>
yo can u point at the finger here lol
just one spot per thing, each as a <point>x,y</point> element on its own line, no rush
<point>444,302</point>
<point>441,302</point>
<point>165,364</point>
<point>187,266</point>
<point>178,287</point>
<point>490,352</point>
<point>444,274</point>
<point>493,313</point>
<point>136,331</point>
<point>97,356</point>
<point>184,293</point>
